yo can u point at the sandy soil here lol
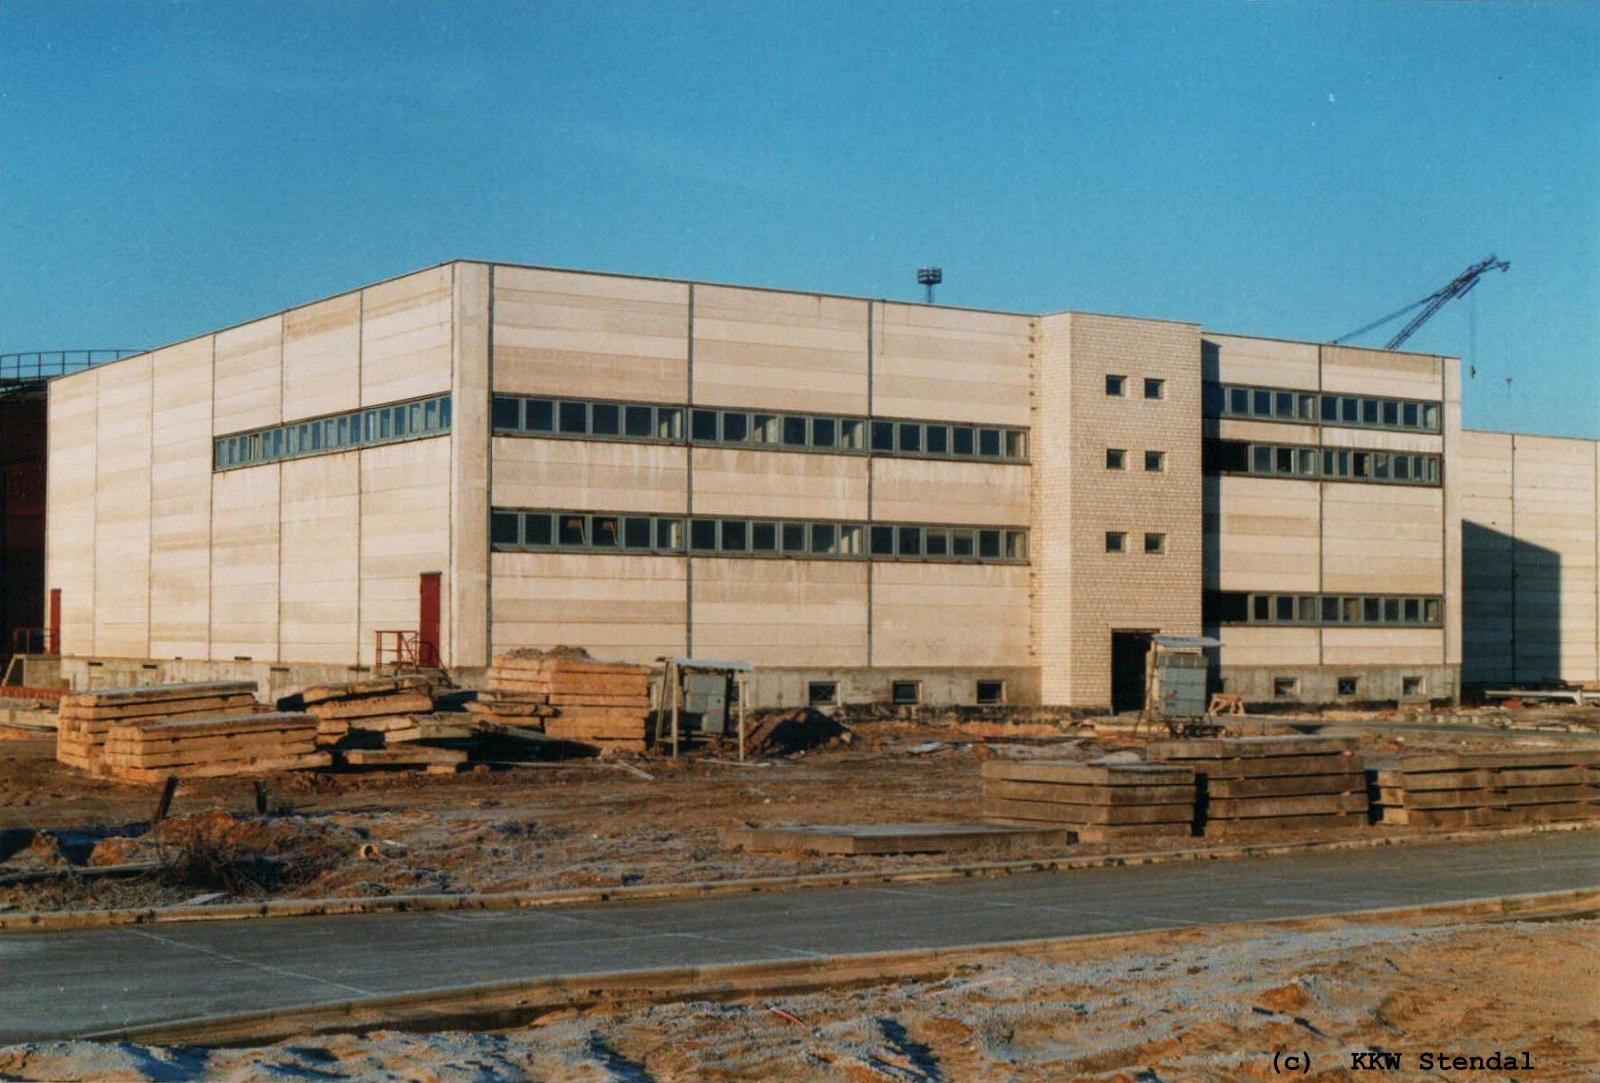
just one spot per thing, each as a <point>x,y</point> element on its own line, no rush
<point>515,828</point>
<point>1211,1005</point>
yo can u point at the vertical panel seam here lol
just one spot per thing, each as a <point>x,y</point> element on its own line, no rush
<point>211,511</point>
<point>150,514</point>
<point>488,476</point>
<point>283,335</point>
<point>688,486</point>
<point>361,347</point>
<point>872,470</point>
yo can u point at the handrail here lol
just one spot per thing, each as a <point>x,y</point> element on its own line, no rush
<point>42,364</point>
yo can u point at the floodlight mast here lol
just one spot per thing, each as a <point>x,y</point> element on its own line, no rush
<point>927,278</point>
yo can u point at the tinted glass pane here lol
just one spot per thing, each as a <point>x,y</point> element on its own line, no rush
<point>1349,409</point>
<point>735,535</point>
<point>1391,413</point>
<point>1369,411</point>
<point>1261,403</point>
<point>1413,610</point>
<point>962,440</point>
<point>1261,607</point>
<point>703,534</point>
<point>988,544</point>
<point>636,533</point>
<point>1371,610</point>
<point>1261,460</point>
<point>703,425</point>
<point>503,528</point>
<point>538,415</point>
<point>824,431</point>
<point>507,412</point>
<point>1285,463</point>
<point>1410,415</point>
<point>574,416</point>
<point>605,419</point>
<point>908,541</point>
<point>1239,401</point>
<point>910,436</point>
<point>1391,609</point>
<point>735,427</point>
<point>607,532</point>
<point>1283,404</point>
<point>794,431</point>
<point>961,543</point>
<point>1330,408</point>
<point>1283,607</point>
<point>989,443</point>
<point>1402,467</point>
<point>764,537</point>
<point>883,436</point>
<point>573,530</point>
<point>1430,418</point>
<point>1114,385</point>
<point>937,438</point>
<point>1330,610</point>
<point>536,529</point>
<point>882,541</point>
<point>822,537</point>
<point>794,537</point>
<point>936,542</point>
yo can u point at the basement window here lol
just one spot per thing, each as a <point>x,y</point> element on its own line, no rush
<point>1412,687</point>
<point>822,693</point>
<point>1349,686</point>
<point>990,693</point>
<point>1285,687</point>
<point>906,693</point>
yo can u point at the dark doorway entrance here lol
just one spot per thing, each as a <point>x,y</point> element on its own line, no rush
<point>428,621</point>
<point>1129,651</point>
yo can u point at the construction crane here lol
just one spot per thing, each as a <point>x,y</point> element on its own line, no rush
<point>1460,286</point>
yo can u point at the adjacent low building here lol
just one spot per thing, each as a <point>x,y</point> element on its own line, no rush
<point>870,500</point>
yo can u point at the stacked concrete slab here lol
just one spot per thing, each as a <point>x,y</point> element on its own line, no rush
<point>591,702</point>
<point>1452,789</point>
<point>213,746</point>
<point>87,717</point>
<point>1270,785</point>
<point>1097,801</point>
<point>382,708</point>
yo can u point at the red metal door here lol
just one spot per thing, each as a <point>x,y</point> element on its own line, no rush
<point>428,621</point>
<point>53,645</point>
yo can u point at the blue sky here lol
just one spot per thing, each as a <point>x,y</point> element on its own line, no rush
<point>1286,169</point>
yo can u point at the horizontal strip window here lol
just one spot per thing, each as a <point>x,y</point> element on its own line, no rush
<point>656,423</point>
<point>1314,408</point>
<point>619,532</point>
<point>1327,464</point>
<point>334,432</point>
<point>1323,610</point>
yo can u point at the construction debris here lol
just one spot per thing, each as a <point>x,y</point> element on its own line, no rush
<point>577,697</point>
<point>86,717</point>
<point>1455,790</point>
<point>1097,800</point>
<point>145,751</point>
<point>1258,785</point>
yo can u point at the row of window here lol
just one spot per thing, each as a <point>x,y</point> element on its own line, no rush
<point>1340,464</point>
<point>1237,607</point>
<point>1117,387</point>
<point>1321,408</point>
<point>607,532</point>
<point>906,693</point>
<point>794,432</point>
<point>1289,687</point>
<point>335,432</point>
<point>1117,542</point>
<point>1117,459</point>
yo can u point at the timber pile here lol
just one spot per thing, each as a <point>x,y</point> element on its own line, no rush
<point>577,697</point>
<point>86,717</point>
<point>1483,789</point>
<point>1096,800</point>
<point>212,746</point>
<point>379,710</point>
<point>1268,785</point>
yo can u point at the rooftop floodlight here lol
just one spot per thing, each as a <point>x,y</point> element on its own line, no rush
<point>929,277</point>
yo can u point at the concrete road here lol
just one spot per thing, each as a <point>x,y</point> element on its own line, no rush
<point>61,984</point>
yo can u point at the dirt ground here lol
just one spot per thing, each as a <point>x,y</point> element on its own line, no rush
<point>1212,1005</point>
<point>536,826</point>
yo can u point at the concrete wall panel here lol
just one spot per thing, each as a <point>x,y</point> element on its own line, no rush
<point>951,364</point>
<point>619,608</point>
<point>949,615</point>
<point>180,502</point>
<point>585,475</point>
<point>791,485</point>
<point>763,348</point>
<point>781,612</point>
<point>930,491</point>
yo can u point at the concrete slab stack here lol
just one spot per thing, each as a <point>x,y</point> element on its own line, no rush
<point>1270,785</point>
<point>380,709</point>
<point>1097,801</point>
<point>605,704</point>
<point>213,746</point>
<point>1453,789</point>
<point>87,717</point>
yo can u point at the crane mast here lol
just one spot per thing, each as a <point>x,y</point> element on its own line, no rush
<point>1459,286</point>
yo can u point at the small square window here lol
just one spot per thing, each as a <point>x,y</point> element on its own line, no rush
<point>1239,401</point>
<point>1285,687</point>
<point>573,530</point>
<point>638,421</point>
<point>1349,686</point>
<point>764,537</point>
<point>1016,444</point>
<point>1155,389</point>
<point>1155,461</point>
<point>823,431</point>
<point>536,529</point>
<point>883,436</point>
<point>989,443</point>
<point>735,428</point>
<point>906,692</point>
<point>1413,686</point>
<point>703,535</point>
<point>910,436</point>
<point>574,417</point>
<point>881,540</point>
<point>936,543</point>
<point>1283,608</point>
<point>991,692</point>
<point>503,528</point>
<point>669,535</point>
<point>794,537</point>
<point>909,539</point>
<point>1391,414</point>
<point>936,439</point>
<point>669,423</point>
<point>823,537</point>
<point>735,535</point>
<point>1330,611</point>
<point>852,434</point>
<point>961,543</point>
<point>1116,458</point>
<point>1369,411</point>
<point>822,693</point>
<point>636,533</point>
<point>794,431</point>
<point>703,425</point>
<point>1391,610</point>
<point>1330,408</point>
<point>1371,610</point>
<point>605,419</point>
<point>1410,414</point>
<point>764,428</point>
<point>988,544</point>
<point>607,532</point>
<point>1117,385</point>
<point>963,440</point>
<point>1155,543</point>
<point>506,412</point>
<point>1116,541</point>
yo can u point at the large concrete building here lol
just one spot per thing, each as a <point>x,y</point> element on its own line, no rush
<point>868,499</point>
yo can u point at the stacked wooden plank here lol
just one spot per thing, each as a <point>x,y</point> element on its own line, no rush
<point>1272,785</point>
<point>509,708</point>
<point>86,717</point>
<point>379,710</point>
<point>579,698</point>
<point>1484,789</point>
<point>1096,800</point>
<point>212,746</point>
